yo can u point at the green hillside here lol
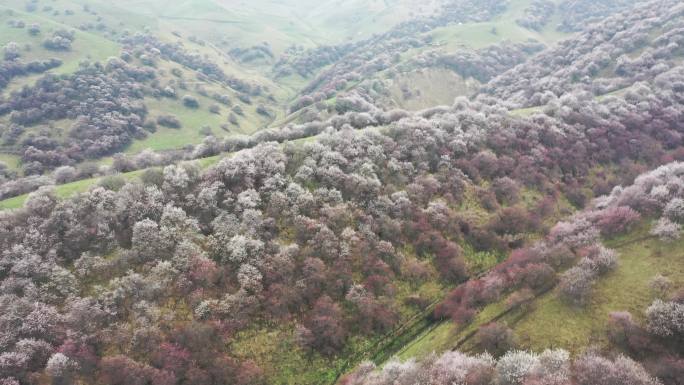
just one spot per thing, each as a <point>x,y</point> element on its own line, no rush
<point>212,28</point>
<point>549,323</point>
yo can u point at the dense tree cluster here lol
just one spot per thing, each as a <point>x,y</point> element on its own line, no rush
<point>575,284</point>
<point>10,69</point>
<point>60,40</point>
<point>577,14</point>
<point>616,53</point>
<point>551,367</point>
<point>481,64</point>
<point>537,15</point>
<point>657,193</point>
<point>459,11</point>
<point>105,103</point>
<point>146,46</point>
<point>654,193</point>
<point>12,187</point>
<point>262,52</point>
<point>306,62</point>
<point>666,319</point>
<point>11,51</point>
<point>34,29</point>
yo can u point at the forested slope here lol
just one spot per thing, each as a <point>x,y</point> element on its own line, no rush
<point>289,260</point>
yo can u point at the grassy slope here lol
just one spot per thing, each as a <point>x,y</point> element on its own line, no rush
<point>97,46</point>
<point>85,46</point>
<point>440,86</point>
<point>625,289</point>
<point>430,87</point>
<point>550,323</point>
<point>12,161</point>
<point>501,28</point>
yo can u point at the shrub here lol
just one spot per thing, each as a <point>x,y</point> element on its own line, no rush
<point>153,176</point>
<point>576,284</point>
<point>261,110</point>
<point>34,29</point>
<point>11,51</point>
<point>169,121</point>
<point>576,233</point>
<point>61,368</point>
<point>506,189</point>
<point>626,333</point>
<point>675,210</point>
<point>660,285</point>
<point>60,41</point>
<point>666,319</point>
<point>495,338</point>
<point>616,220</point>
<point>537,276</point>
<point>190,101</point>
<point>112,182</point>
<point>514,220</point>
<point>514,367</point>
<point>323,330</point>
<point>64,174</point>
<point>232,118</point>
<point>666,230</point>
<point>600,260</point>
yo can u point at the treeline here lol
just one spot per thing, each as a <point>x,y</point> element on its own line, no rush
<point>551,367</point>
<point>10,69</point>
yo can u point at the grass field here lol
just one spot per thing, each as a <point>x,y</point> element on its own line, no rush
<point>12,161</point>
<point>501,28</point>
<point>281,358</point>
<point>626,289</point>
<point>430,87</point>
<point>550,323</point>
<point>85,46</point>
<point>192,121</point>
